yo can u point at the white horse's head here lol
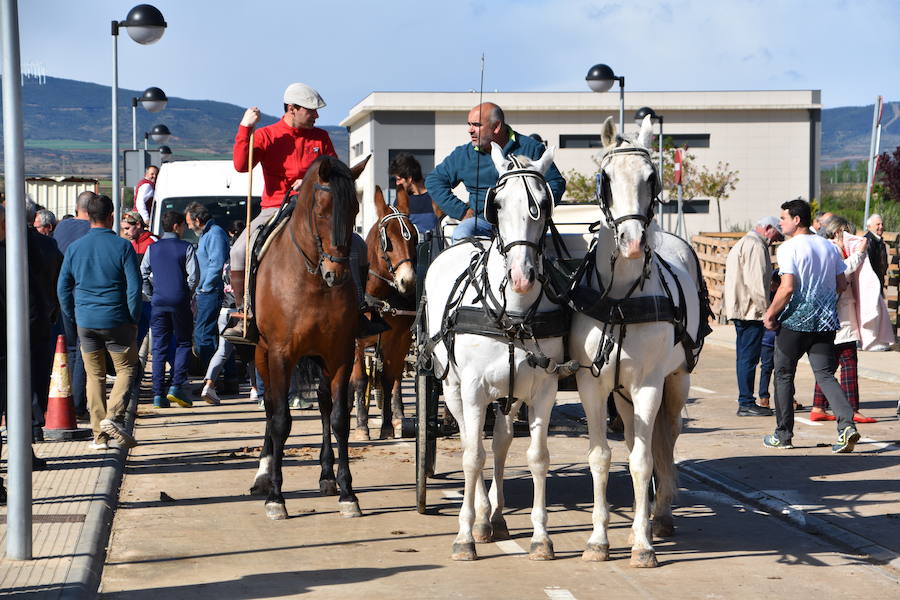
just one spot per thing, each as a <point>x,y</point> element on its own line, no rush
<point>520,206</point>
<point>629,185</point>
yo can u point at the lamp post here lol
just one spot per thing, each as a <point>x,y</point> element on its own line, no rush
<point>145,25</point>
<point>638,119</point>
<point>154,100</point>
<point>600,78</point>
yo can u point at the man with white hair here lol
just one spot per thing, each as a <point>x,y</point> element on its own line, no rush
<point>878,257</point>
<point>45,222</point>
<point>745,298</point>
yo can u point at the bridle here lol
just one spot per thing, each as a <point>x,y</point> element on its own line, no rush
<point>406,231</point>
<point>321,254</point>
<point>535,209</point>
<point>604,193</point>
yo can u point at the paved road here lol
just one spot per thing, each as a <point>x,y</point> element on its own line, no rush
<point>206,538</point>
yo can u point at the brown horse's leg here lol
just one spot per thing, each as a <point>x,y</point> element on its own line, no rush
<point>279,426</point>
<point>397,402</point>
<point>327,483</point>
<point>359,381</point>
<point>340,422</point>
<point>262,484</point>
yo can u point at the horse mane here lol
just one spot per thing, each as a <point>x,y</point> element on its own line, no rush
<point>343,193</point>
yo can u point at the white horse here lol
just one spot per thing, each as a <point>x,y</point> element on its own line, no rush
<point>506,277</point>
<point>646,366</point>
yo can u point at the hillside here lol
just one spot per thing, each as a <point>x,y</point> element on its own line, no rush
<point>67,127</point>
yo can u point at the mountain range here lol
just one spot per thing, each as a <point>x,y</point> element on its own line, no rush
<point>67,128</point>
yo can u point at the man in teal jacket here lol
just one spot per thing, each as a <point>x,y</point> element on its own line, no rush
<point>99,288</point>
<point>471,164</point>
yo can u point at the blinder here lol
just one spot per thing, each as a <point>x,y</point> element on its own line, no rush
<point>516,170</point>
<point>604,193</point>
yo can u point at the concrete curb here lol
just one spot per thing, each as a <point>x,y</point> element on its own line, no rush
<point>862,371</point>
<point>844,538</point>
<point>83,579</point>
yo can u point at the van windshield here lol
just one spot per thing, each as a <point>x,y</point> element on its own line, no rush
<point>226,210</point>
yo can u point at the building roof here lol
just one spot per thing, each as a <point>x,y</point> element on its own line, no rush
<point>584,101</point>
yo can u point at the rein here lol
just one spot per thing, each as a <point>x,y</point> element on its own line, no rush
<point>321,254</point>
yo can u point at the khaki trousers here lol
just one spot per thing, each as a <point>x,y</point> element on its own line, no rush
<point>125,362</point>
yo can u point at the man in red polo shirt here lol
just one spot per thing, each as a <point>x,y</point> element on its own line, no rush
<point>286,149</point>
<point>134,230</point>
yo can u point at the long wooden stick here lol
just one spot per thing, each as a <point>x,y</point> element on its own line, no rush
<point>247,233</point>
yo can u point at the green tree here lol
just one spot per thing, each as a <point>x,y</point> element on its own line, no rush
<point>717,183</point>
<point>579,187</point>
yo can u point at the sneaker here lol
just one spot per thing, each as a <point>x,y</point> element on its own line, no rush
<point>846,441</point>
<point>771,441</point>
<point>114,430</point>
<point>101,445</point>
<point>209,395</point>
<point>161,402</point>
<point>177,395</point>
<point>752,410</point>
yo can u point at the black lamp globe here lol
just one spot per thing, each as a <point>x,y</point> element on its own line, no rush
<point>154,99</point>
<point>600,78</point>
<point>165,153</point>
<point>160,134</point>
<point>643,112</point>
<point>145,24</point>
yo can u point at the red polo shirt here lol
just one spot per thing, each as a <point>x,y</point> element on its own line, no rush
<point>140,245</point>
<point>285,153</point>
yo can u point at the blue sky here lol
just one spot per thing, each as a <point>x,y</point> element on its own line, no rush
<point>247,52</point>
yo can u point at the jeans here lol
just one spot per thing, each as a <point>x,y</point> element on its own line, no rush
<point>468,228</point>
<point>766,366</point>
<point>167,324</point>
<point>76,366</point>
<point>223,351</point>
<point>206,331</point>
<point>819,347</point>
<point>119,341</point>
<point>748,345</point>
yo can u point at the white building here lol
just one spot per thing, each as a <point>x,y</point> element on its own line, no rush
<point>772,138</point>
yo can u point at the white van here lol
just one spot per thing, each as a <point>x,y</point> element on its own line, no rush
<point>215,183</point>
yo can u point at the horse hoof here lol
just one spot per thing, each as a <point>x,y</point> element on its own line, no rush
<point>361,435</point>
<point>464,551</point>
<point>541,551</point>
<point>663,527</point>
<point>482,532</point>
<point>350,510</point>
<point>596,553</point>
<point>387,434</point>
<point>643,559</point>
<point>328,487</point>
<point>276,511</point>
<point>500,531</point>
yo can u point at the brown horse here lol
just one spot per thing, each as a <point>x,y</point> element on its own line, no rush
<point>306,306</point>
<point>391,288</point>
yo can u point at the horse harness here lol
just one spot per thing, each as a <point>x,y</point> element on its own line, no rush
<point>384,244</point>
<point>492,319</point>
<point>320,249</point>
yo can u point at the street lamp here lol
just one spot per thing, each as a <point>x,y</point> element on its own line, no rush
<point>145,25</point>
<point>645,111</point>
<point>165,153</point>
<point>154,100</point>
<point>600,78</point>
<point>160,134</point>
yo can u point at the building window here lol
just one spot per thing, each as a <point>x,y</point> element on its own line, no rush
<point>357,149</point>
<point>688,207</point>
<point>678,140</point>
<point>580,141</point>
<point>426,161</point>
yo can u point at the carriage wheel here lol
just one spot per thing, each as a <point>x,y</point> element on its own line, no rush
<point>426,423</point>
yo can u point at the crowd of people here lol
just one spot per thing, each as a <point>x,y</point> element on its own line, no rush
<point>825,301</point>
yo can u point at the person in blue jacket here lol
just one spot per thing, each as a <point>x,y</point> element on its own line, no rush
<point>212,254</point>
<point>471,164</point>
<point>99,288</point>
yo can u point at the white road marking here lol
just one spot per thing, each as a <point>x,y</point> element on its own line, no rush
<point>876,443</point>
<point>703,389</point>
<point>808,422</point>
<point>555,593</point>
<point>510,547</point>
<point>452,495</point>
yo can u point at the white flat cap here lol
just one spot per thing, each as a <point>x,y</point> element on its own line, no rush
<point>771,222</point>
<point>303,95</point>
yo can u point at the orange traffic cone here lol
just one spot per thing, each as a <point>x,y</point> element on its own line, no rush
<point>60,417</point>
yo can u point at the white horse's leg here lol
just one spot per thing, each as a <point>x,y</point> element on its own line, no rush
<point>593,392</point>
<point>539,464</point>
<point>493,527</point>
<point>665,433</point>
<point>474,403</point>
<point>646,404</point>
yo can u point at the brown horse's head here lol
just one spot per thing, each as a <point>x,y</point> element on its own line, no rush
<point>328,198</point>
<point>394,243</point>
